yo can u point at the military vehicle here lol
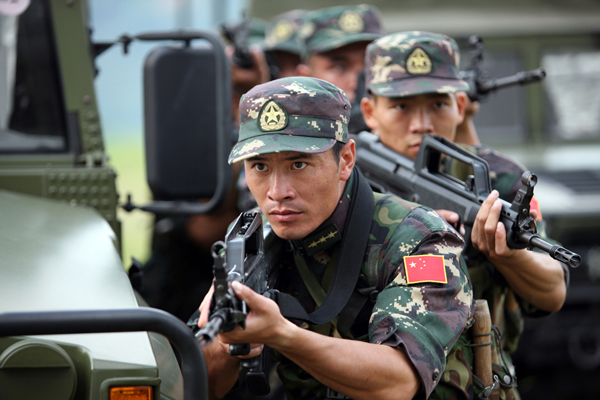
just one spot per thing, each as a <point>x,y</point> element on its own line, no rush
<point>71,324</point>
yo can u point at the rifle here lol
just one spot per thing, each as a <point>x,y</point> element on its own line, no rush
<point>248,256</point>
<point>480,85</point>
<point>427,181</point>
<point>237,34</point>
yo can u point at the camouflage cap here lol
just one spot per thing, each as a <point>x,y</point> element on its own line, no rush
<point>412,63</point>
<point>331,28</point>
<point>301,114</point>
<point>282,32</point>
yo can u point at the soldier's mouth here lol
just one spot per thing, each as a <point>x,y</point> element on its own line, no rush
<point>284,215</point>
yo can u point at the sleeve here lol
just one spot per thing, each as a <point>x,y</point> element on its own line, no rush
<point>506,178</point>
<point>505,173</point>
<point>423,318</point>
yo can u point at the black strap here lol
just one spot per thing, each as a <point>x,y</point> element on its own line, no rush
<point>347,270</point>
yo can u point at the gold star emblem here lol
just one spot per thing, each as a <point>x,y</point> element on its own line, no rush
<point>272,116</point>
<point>351,22</point>
<point>282,31</point>
<point>418,63</point>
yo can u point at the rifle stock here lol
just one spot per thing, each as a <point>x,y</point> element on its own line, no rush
<point>426,181</point>
<point>248,256</point>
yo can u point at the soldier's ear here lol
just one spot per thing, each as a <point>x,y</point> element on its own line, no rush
<point>367,107</point>
<point>347,159</point>
<point>461,104</point>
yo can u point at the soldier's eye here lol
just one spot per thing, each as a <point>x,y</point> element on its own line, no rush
<point>299,165</point>
<point>260,167</point>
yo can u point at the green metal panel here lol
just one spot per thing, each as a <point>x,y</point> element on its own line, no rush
<point>77,70</point>
<point>95,187</point>
<point>61,257</point>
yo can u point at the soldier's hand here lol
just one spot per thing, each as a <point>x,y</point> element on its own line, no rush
<point>205,307</point>
<point>255,348</point>
<point>471,108</point>
<point>244,79</point>
<point>264,322</point>
<point>489,234</point>
<point>453,219</point>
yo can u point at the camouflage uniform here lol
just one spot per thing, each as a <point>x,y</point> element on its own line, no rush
<point>334,27</point>
<point>422,315</point>
<point>413,63</point>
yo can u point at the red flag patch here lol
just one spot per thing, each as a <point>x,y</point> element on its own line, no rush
<point>425,269</point>
<point>535,205</point>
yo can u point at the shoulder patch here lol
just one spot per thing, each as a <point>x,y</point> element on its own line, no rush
<point>423,268</point>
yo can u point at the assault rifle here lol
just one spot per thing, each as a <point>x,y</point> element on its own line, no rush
<point>243,258</point>
<point>238,35</point>
<point>480,85</point>
<point>428,181</point>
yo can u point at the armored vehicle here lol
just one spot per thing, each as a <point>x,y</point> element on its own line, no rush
<point>71,324</point>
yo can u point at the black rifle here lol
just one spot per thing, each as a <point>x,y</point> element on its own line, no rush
<point>237,35</point>
<point>426,181</point>
<point>480,85</point>
<point>243,258</point>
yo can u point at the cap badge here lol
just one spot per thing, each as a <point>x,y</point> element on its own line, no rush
<point>282,31</point>
<point>418,63</point>
<point>272,116</point>
<point>351,22</point>
<point>306,30</point>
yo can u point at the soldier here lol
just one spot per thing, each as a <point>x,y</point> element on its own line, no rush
<point>415,89</point>
<point>281,42</point>
<point>299,165</point>
<point>334,40</point>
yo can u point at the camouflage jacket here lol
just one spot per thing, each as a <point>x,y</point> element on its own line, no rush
<point>423,318</point>
<point>506,309</point>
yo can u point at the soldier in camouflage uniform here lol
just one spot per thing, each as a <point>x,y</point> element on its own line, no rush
<point>332,43</point>
<point>415,87</point>
<point>281,42</point>
<point>334,40</point>
<point>300,167</point>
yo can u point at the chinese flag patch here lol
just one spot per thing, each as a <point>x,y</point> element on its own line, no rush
<point>425,269</point>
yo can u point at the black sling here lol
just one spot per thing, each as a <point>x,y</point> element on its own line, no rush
<point>348,266</point>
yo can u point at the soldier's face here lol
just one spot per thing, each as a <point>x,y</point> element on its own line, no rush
<point>286,63</point>
<point>340,67</point>
<point>297,192</point>
<point>401,122</point>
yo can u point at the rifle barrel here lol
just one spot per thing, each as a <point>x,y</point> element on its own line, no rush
<point>557,252</point>
<point>520,78</point>
<point>209,332</point>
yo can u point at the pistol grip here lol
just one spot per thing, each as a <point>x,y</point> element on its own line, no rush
<point>257,374</point>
